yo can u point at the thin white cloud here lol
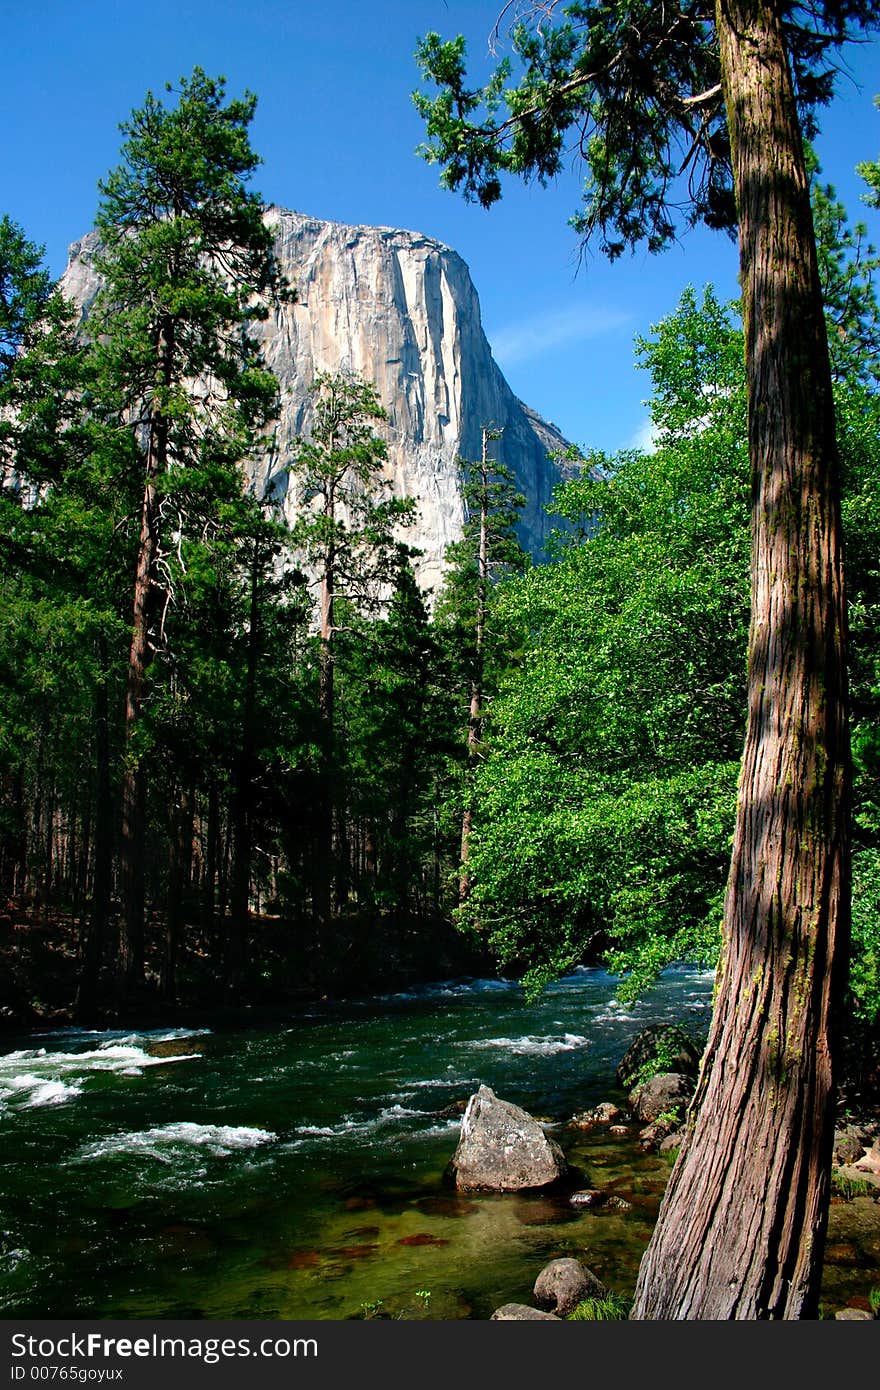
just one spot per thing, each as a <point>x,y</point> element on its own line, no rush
<point>541,333</point>
<point>645,437</point>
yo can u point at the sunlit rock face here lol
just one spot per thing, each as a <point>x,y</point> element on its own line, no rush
<point>400,310</point>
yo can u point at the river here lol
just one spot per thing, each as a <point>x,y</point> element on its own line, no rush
<point>292,1166</point>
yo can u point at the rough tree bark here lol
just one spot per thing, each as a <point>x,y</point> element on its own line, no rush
<point>130,961</point>
<point>742,1225</point>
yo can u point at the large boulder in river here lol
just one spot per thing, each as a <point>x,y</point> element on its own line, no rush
<point>563,1284</point>
<point>502,1149</point>
<point>660,1048</point>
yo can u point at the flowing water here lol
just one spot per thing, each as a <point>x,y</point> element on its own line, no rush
<point>293,1167</point>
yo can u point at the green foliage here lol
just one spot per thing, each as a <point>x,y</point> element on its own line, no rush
<point>187,265</point>
<point>608,784</point>
<point>634,89</point>
<point>874,1301</point>
<point>864,983</point>
<point>348,519</point>
<point>612,1307</point>
<point>666,1049</point>
<point>842,1185</point>
<point>869,170</point>
<point>375,1308</point>
<point>847,264</point>
<point>607,788</point>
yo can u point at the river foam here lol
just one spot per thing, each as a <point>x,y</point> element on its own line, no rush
<point>165,1142</point>
<point>36,1076</point>
<point>529,1046</point>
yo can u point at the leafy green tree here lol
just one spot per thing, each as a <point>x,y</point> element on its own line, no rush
<point>657,98</point>
<point>187,264</point>
<point>399,720</point>
<point>38,359</point>
<point>608,783</point>
<point>346,533</point>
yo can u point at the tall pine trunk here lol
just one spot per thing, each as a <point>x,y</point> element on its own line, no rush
<point>742,1225</point>
<point>132,846</point>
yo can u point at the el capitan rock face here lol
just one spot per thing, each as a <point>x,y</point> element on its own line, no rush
<point>399,309</point>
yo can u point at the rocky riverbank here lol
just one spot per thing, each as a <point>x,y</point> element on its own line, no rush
<point>503,1149</point>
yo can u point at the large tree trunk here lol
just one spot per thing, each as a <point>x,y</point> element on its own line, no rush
<point>742,1225</point>
<point>131,939</point>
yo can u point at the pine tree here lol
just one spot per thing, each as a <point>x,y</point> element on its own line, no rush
<point>488,549</point>
<point>346,531</point>
<point>187,264</point>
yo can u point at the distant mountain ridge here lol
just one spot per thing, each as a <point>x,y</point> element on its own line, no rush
<point>399,308</point>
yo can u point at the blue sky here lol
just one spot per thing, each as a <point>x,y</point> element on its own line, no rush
<point>337,132</point>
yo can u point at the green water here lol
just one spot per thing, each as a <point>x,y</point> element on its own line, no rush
<point>293,1168</point>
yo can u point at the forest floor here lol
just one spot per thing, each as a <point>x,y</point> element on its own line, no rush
<point>289,962</point>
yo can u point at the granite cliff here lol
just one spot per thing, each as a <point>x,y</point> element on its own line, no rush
<point>399,309</point>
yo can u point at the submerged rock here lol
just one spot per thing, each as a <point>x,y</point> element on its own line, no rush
<point>521,1312</point>
<point>587,1197</point>
<point>503,1149</point>
<point>564,1283</point>
<point>604,1114</point>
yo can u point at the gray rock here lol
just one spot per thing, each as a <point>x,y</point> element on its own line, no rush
<point>651,1137</point>
<point>666,1094</point>
<point>870,1161</point>
<point>563,1284</point>
<point>618,1204</point>
<point>502,1149</point>
<point>850,1142</point>
<point>604,1114</point>
<point>521,1312</point>
<point>672,1141</point>
<point>679,1053</point>
<point>587,1197</point>
<point>853,1315</point>
<point>398,308</point>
